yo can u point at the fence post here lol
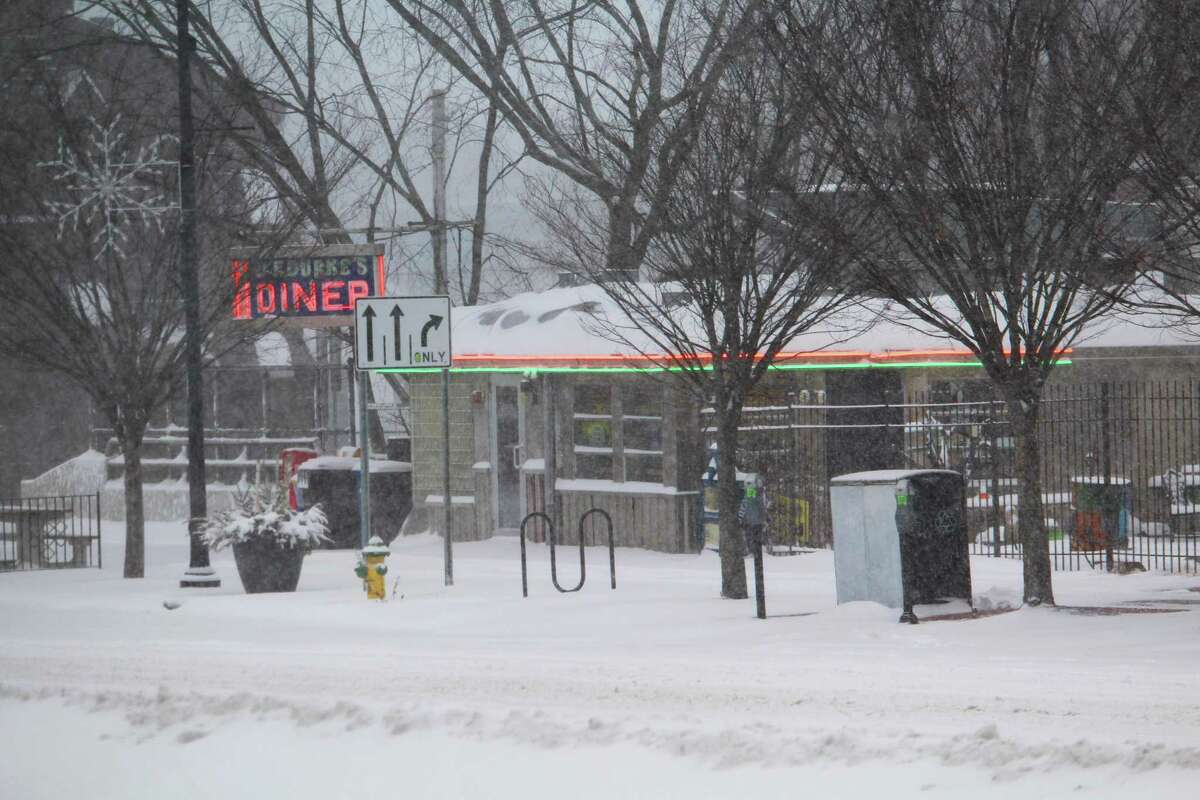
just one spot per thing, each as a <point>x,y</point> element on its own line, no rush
<point>996,514</point>
<point>266,381</point>
<point>216,399</point>
<point>1110,520</point>
<point>99,541</point>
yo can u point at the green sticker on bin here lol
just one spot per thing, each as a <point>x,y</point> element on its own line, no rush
<point>901,500</point>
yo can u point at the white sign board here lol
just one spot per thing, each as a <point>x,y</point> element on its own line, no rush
<point>402,332</point>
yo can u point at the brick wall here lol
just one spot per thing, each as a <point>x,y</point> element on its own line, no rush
<point>427,446</point>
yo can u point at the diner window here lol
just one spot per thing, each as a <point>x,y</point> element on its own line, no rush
<point>619,424</point>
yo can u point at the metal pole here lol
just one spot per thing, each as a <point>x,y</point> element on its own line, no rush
<point>265,400</point>
<point>364,444</point>
<point>350,381</point>
<point>760,590</point>
<point>440,282</point>
<point>199,573</point>
<point>448,556</point>
<point>331,397</point>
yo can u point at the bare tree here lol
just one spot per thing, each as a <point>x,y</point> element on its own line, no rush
<point>991,138</point>
<point>337,100</point>
<point>1169,170</point>
<point>329,105</point>
<point>88,232</point>
<point>606,94</point>
<point>733,283</point>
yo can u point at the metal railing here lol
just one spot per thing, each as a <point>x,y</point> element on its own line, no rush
<point>50,532</point>
<point>316,402</point>
<point>1120,467</point>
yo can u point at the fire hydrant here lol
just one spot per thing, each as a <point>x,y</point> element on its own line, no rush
<point>372,569</point>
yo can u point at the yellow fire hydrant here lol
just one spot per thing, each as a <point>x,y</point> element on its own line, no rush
<point>372,569</point>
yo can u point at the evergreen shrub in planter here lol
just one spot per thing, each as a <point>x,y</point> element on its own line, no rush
<point>268,538</point>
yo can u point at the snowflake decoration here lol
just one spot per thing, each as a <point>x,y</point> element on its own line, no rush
<point>110,186</point>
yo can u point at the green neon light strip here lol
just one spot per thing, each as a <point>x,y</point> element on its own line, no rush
<point>632,370</point>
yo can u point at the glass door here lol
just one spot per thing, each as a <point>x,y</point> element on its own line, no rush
<point>508,453</point>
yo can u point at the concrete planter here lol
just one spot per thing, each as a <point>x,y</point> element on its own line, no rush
<point>264,566</point>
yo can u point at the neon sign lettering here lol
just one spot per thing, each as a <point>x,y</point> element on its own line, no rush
<point>304,287</point>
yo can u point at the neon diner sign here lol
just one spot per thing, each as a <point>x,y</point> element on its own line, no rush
<point>307,284</point>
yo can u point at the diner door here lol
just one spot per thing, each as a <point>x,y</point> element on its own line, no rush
<point>508,453</point>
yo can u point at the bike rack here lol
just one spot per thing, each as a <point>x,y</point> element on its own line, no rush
<point>612,557</point>
<point>612,553</point>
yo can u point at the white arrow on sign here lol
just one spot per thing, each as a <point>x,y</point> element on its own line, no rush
<point>402,332</point>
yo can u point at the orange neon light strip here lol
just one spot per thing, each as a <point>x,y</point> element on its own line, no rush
<point>643,357</point>
<point>902,355</point>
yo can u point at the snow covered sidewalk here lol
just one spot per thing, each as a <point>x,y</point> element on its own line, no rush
<point>657,689</point>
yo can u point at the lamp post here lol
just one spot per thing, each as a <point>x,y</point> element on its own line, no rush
<point>199,573</point>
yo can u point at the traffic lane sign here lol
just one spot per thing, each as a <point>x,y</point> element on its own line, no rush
<point>402,332</point>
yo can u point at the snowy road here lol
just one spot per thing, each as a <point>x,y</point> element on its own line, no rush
<point>658,689</point>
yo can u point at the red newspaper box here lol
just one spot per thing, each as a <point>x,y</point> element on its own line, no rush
<point>290,461</point>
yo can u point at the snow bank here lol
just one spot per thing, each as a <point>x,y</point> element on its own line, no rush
<point>163,502</point>
<point>83,474</point>
<point>656,689</point>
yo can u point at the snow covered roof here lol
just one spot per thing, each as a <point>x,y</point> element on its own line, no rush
<point>571,327</point>
<point>348,464</point>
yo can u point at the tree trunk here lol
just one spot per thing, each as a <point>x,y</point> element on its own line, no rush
<point>135,512</point>
<point>733,544</point>
<point>1031,526</point>
<point>620,255</point>
<point>479,224</point>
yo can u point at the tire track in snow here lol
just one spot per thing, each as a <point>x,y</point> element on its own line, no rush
<point>188,716</point>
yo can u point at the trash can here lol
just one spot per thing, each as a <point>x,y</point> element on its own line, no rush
<point>333,481</point>
<point>1174,507</point>
<point>1102,509</point>
<point>900,537</point>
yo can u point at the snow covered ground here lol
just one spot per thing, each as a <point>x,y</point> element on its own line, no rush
<point>657,689</point>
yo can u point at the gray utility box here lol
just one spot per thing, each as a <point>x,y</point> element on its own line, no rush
<point>900,537</point>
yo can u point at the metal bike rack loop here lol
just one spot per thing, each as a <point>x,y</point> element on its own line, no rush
<point>524,569</point>
<point>612,559</point>
<point>612,554</point>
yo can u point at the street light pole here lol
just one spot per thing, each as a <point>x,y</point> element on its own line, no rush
<point>199,573</point>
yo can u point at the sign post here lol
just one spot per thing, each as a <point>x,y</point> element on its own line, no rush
<point>364,481</point>
<point>409,333</point>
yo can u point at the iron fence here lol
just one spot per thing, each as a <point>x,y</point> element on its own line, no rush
<point>50,532</point>
<point>1120,467</point>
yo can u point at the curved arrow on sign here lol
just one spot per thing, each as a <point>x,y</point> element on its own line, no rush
<point>435,322</point>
